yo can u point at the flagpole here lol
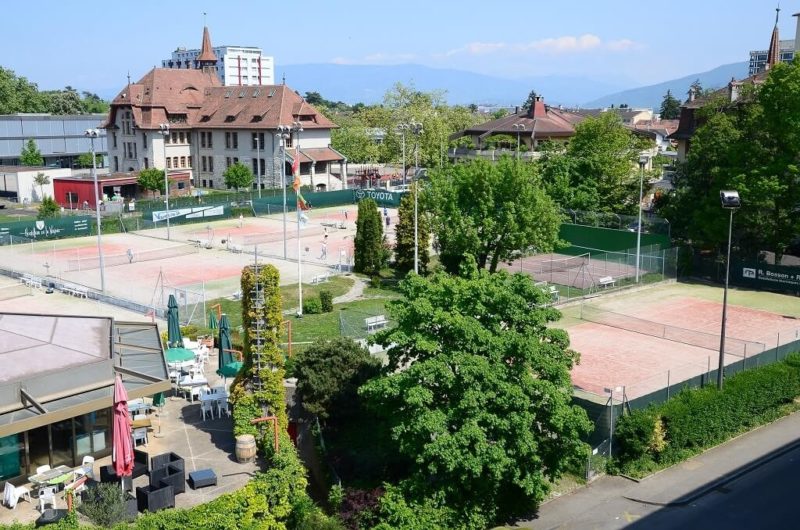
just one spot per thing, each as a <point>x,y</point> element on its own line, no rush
<point>298,183</point>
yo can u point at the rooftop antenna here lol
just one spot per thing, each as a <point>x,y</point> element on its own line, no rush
<point>204,18</point>
<point>284,78</point>
<point>777,13</point>
<point>129,78</point>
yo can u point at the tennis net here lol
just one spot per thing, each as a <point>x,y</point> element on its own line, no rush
<point>534,266</point>
<point>132,256</point>
<point>271,237</point>
<point>701,339</point>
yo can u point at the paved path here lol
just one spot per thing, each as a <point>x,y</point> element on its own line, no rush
<point>616,502</point>
<point>355,292</point>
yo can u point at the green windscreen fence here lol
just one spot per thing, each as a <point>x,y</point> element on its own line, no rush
<point>605,239</point>
<point>46,229</point>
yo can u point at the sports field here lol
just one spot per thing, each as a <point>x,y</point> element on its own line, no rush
<point>660,336</point>
<point>199,261</point>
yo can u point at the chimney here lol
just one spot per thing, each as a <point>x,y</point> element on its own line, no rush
<point>516,110</point>
<point>797,35</point>
<point>537,109</point>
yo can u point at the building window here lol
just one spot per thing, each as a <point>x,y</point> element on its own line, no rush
<point>114,137</point>
<point>116,163</point>
<point>231,140</point>
<point>189,138</point>
<point>211,183</point>
<point>211,164</point>
<point>174,138</point>
<point>144,140</point>
<point>289,141</point>
<point>235,160</point>
<point>227,140</point>
<point>320,167</point>
<point>255,166</point>
<point>204,183</point>
<point>181,185</point>
<point>235,137</point>
<point>181,137</point>
<point>175,162</point>
<point>183,161</point>
<point>146,163</point>
<point>203,164</point>
<point>227,162</point>
<point>202,138</point>
<point>210,140</point>
<point>257,140</point>
<point>169,163</point>
<point>189,160</point>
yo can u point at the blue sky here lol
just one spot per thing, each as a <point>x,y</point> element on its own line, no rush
<point>92,45</point>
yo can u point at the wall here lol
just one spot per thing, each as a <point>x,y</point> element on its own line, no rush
<point>607,239</point>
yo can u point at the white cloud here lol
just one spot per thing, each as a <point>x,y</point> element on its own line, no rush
<point>554,45</point>
<point>622,45</point>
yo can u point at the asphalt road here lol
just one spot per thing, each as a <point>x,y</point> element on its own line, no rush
<point>765,498</point>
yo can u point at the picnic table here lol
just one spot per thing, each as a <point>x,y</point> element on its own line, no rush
<point>144,422</point>
<point>52,477</point>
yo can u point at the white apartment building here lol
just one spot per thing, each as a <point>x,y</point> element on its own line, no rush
<point>236,65</point>
<point>212,127</point>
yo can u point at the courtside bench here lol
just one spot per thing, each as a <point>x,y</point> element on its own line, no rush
<point>320,278</point>
<point>376,322</point>
<point>606,281</point>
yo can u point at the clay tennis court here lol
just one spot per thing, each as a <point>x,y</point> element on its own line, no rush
<point>644,361</point>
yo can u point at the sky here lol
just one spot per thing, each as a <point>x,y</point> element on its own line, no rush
<point>93,45</point>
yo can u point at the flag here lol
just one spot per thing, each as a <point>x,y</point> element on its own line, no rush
<point>301,202</point>
<point>296,170</point>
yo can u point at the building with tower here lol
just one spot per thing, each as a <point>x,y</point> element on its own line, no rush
<point>186,120</point>
<point>234,65</point>
<point>779,50</point>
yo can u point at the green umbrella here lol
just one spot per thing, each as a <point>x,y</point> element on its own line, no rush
<point>212,320</point>
<point>177,355</point>
<point>174,338</point>
<point>228,366</point>
<point>158,400</point>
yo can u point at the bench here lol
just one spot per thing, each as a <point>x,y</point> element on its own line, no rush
<point>606,281</point>
<point>320,278</point>
<point>236,249</point>
<point>202,478</point>
<point>376,322</point>
<point>555,296</point>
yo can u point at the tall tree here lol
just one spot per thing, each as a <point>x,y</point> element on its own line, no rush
<point>478,393</point>
<point>604,156</point>
<point>489,210</point>
<point>530,100</point>
<point>404,235</point>
<point>370,254</point>
<point>670,107</point>
<point>41,180</point>
<point>30,154</point>
<point>151,179</point>
<point>238,176</point>
<point>85,160</point>
<point>17,94</point>
<point>352,140</point>
<point>48,209</point>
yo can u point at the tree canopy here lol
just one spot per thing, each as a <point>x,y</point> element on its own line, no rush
<point>670,107</point>
<point>752,146</point>
<point>489,210</point>
<point>370,253</point>
<point>30,154</point>
<point>151,179</point>
<point>17,94</point>
<point>404,235</point>
<point>482,404</point>
<point>238,176</point>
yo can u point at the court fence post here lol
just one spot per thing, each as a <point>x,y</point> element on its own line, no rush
<point>668,374</point>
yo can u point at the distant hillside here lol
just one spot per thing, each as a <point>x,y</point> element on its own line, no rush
<point>651,96</point>
<point>368,83</point>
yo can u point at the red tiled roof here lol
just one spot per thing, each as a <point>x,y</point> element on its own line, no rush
<point>164,93</point>
<point>549,121</point>
<point>206,51</point>
<point>321,154</point>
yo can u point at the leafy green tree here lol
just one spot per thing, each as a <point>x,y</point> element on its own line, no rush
<point>30,154</point>
<point>604,157</point>
<point>530,100</point>
<point>556,169</point>
<point>41,180</point>
<point>489,210</point>
<point>352,140</point>
<point>670,107</point>
<point>93,104</point>
<point>238,176</point>
<point>150,179</point>
<point>48,208</point>
<point>499,113</point>
<point>85,160</point>
<point>62,102</point>
<point>329,373</point>
<point>370,254</point>
<point>478,393</point>
<point>17,94</point>
<point>404,236</point>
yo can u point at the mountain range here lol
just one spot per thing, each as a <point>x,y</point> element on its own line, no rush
<point>368,84</point>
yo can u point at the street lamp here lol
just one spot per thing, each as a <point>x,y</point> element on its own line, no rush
<point>283,135</point>
<point>258,162</point>
<point>642,163</point>
<point>298,128</point>
<point>92,134</point>
<point>519,127</point>
<point>164,129</point>
<point>730,201</point>
<point>403,127</point>
<point>416,130</point>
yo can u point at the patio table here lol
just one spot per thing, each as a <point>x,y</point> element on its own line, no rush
<point>51,477</point>
<point>191,382</point>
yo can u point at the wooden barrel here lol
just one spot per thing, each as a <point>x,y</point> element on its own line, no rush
<point>245,448</point>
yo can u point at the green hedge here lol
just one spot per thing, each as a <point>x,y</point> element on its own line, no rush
<point>695,419</point>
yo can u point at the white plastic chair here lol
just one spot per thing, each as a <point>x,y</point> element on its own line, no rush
<point>140,435</point>
<point>42,469</point>
<point>207,407</point>
<point>47,496</point>
<point>86,469</point>
<point>225,407</point>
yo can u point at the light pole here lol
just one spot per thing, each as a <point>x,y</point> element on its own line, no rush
<point>642,162</point>
<point>519,128</point>
<point>92,134</point>
<point>730,201</point>
<point>298,128</point>
<point>164,129</point>
<point>416,129</point>
<point>403,127</point>
<point>283,135</point>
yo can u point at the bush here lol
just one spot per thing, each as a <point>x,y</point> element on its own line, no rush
<point>312,306</point>
<point>104,505</point>
<point>699,418</point>
<point>375,282</point>
<point>326,300</point>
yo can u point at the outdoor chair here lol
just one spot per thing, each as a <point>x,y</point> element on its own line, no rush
<point>42,469</point>
<point>165,459</point>
<point>140,463</point>
<point>153,499</point>
<point>47,496</point>
<point>12,495</point>
<point>86,469</point>
<point>206,407</point>
<point>140,435</point>
<point>169,475</point>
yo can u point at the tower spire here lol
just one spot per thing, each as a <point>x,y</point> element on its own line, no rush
<point>774,53</point>
<point>207,60</point>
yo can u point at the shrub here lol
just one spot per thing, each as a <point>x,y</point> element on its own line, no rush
<point>312,306</point>
<point>375,282</point>
<point>326,300</point>
<point>104,505</point>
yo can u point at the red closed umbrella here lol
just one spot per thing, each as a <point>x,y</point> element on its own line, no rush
<point>122,442</point>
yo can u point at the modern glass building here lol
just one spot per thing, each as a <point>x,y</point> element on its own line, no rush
<point>60,139</point>
<point>56,386</point>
